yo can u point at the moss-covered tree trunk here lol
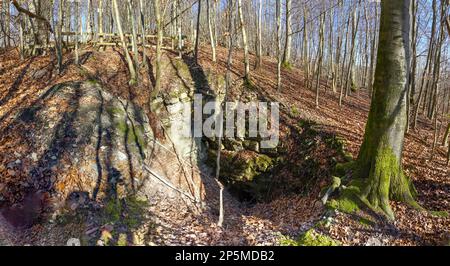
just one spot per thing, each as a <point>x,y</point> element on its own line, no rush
<point>379,160</point>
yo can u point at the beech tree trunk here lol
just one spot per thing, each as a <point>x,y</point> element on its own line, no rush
<point>179,35</point>
<point>244,41</point>
<point>133,75</point>
<point>446,134</point>
<point>100,20</point>
<point>287,46</point>
<point>134,39</point>
<point>278,17</point>
<point>227,87</point>
<point>133,27</point>
<point>197,37</point>
<point>379,160</point>
<point>89,25</point>
<point>159,39</point>
<point>305,46</point>
<point>77,28</point>
<point>211,33</point>
<point>341,83</point>
<point>144,42</point>
<point>427,69</point>
<point>21,37</point>
<point>7,25</point>
<point>320,57</point>
<point>350,81</point>
<point>366,49</point>
<point>332,70</point>
<point>59,36</point>
<point>372,55</point>
<point>259,37</point>
<point>412,77</point>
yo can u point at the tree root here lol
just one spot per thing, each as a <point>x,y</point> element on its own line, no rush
<point>335,185</point>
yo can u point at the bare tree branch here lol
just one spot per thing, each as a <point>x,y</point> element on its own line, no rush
<point>447,22</point>
<point>31,14</point>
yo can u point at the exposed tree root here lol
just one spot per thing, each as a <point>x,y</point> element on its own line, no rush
<point>385,180</point>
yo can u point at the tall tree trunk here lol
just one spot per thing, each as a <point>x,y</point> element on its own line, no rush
<point>111,18</point>
<point>144,42</point>
<point>287,46</point>
<point>211,33</point>
<point>331,50</point>
<point>446,134</point>
<point>67,21</point>
<point>133,75</point>
<point>159,33</point>
<point>21,38</point>
<point>2,23</point>
<point>100,20</point>
<point>436,75</point>
<point>427,69</point>
<point>435,81</point>
<point>447,24</point>
<point>180,37</point>
<point>197,37</point>
<point>448,155</point>
<point>350,82</point>
<point>379,159</point>
<point>278,18</point>
<point>173,26</point>
<point>366,49</point>
<point>59,54</point>
<point>77,28</point>
<point>372,54</point>
<point>89,28</point>
<point>134,36</point>
<point>91,14</point>
<point>8,24</point>
<point>227,86</point>
<point>341,83</point>
<point>244,41</point>
<point>339,40</point>
<point>429,81</point>
<point>434,101</point>
<point>305,45</point>
<point>412,77</point>
<point>259,36</point>
<point>320,57</point>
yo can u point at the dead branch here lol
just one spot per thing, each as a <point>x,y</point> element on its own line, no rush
<point>31,14</point>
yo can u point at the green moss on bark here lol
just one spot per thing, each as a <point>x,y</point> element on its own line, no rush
<point>385,181</point>
<point>341,169</point>
<point>348,200</point>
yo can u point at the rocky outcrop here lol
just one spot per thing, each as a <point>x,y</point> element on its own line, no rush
<point>247,173</point>
<point>79,135</point>
<point>83,143</point>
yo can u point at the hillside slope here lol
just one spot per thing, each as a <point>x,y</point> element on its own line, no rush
<point>263,223</point>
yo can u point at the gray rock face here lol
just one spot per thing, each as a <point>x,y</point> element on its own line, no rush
<point>374,242</point>
<point>85,139</point>
<point>82,140</point>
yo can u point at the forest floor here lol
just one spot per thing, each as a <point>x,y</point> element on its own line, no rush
<point>266,223</point>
